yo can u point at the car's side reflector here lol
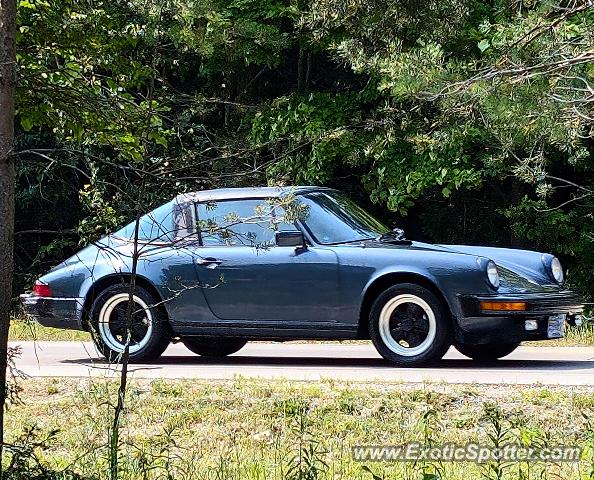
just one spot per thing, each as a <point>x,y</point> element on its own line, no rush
<point>503,306</point>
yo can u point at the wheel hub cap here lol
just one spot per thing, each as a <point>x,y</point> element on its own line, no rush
<point>407,325</point>
<point>113,327</point>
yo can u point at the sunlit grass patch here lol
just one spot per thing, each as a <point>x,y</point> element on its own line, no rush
<point>24,328</point>
<point>256,429</point>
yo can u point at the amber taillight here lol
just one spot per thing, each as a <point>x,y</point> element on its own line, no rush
<point>41,290</point>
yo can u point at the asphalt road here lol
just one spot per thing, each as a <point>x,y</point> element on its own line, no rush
<point>310,362</point>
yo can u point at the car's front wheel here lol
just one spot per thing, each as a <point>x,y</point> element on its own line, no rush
<point>487,352</point>
<point>147,337</point>
<point>213,347</point>
<point>409,325</point>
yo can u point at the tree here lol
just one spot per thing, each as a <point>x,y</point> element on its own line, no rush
<point>7,179</point>
<point>474,116</point>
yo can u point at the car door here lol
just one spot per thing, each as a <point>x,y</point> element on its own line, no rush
<point>245,276</point>
<point>167,255</point>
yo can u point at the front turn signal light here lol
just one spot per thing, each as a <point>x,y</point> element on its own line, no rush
<point>504,306</point>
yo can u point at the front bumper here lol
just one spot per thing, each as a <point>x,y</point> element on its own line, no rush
<point>54,312</point>
<point>479,326</point>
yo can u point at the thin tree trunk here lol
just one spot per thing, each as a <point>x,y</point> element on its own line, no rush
<point>300,70</point>
<point>308,71</point>
<point>114,441</point>
<point>7,180</point>
<point>516,195</point>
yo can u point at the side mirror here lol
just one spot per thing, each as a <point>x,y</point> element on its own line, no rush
<point>290,239</point>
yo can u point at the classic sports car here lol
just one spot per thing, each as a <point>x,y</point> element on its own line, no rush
<point>215,269</point>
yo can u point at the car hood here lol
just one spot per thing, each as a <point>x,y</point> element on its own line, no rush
<point>520,270</point>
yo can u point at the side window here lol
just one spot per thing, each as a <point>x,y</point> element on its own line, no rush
<point>184,219</point>
<point>156,225</point>
<point>237,223</point>
<point>282,224</point>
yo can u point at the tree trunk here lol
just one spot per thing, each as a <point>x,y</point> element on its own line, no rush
<point>7,180</point>
<point>516,196</point>
<point>300,70</point>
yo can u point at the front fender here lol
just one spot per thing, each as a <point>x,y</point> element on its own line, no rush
<point>410,274</point>
<point>450,273</point>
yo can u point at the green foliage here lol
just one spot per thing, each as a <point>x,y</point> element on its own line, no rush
<point>232,35</point>
<point>25,462</point>
<point>314,132</point>
<point>74,77</point>
<point>104,220</point>
<point>565,232</point>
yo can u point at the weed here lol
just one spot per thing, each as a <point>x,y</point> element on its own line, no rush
<point>589,444</point>
<point>290,407</point>
<point>24,462</point>
<point>308,461</point>
<point>429,427</point>
<point>499,433</point>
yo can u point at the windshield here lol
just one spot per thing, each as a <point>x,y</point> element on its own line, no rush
<point>332,217</point>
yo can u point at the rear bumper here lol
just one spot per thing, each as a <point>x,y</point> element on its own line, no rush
<point>54,312</point>
<point>479,327</point>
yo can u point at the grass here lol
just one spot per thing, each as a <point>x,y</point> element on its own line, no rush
<point>23,329</point>
<point>582,336</point>
<point>251,429</point>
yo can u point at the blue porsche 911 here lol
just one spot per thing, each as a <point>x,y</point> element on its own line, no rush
<point>215,269</point>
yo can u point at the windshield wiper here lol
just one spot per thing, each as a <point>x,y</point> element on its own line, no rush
<point>358,240</point>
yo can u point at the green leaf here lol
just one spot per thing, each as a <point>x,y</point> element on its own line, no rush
<point>27,123</point>
<point>484,44</point>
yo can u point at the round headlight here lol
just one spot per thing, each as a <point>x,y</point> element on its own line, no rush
<point>557,270</point>
<point>493,274</point>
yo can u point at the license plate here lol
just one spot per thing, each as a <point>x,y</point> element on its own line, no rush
<point>556,327</point>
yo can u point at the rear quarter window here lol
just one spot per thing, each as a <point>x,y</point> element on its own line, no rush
<point>156,226</point>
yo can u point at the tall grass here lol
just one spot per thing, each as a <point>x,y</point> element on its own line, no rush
<point>258,430</point>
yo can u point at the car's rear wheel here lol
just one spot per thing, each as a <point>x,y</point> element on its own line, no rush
<point>409,325</point>
<point>488,351</point>
<point>213,347</point>
<point>147,337</point>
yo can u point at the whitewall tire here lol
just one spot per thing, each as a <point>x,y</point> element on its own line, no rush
<point>147,337</point>
<point>409,325</point>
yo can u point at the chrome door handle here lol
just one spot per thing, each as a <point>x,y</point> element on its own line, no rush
<point>208,262</point>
